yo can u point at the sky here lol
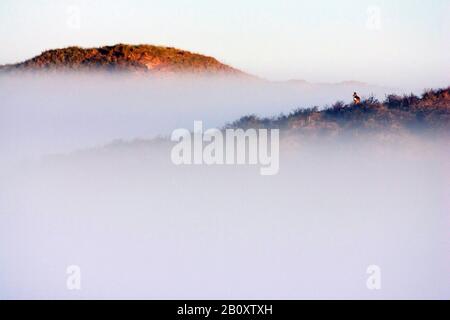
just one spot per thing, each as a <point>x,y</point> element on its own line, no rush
<point>390,42</point>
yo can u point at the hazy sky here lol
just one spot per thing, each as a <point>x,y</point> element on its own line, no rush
<point>391,42</point>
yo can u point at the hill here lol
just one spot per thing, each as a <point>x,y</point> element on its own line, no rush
<point>397,121</point>
<point>123,57</point>
<point>409,113</point>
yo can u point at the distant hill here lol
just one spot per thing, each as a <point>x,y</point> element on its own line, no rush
<point>123,57</point>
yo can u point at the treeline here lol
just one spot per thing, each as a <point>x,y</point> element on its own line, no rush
<point>430,111</point>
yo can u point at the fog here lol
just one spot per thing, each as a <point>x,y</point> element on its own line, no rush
<point>140,227</point>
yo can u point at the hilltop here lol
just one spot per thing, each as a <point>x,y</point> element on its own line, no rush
<point>123,57</point>
<point>396,114</point>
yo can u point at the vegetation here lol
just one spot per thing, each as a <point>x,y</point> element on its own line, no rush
<point>125,57</point>
<point>431,112</point>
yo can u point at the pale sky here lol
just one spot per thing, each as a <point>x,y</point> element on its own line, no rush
<point>385,42</point>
